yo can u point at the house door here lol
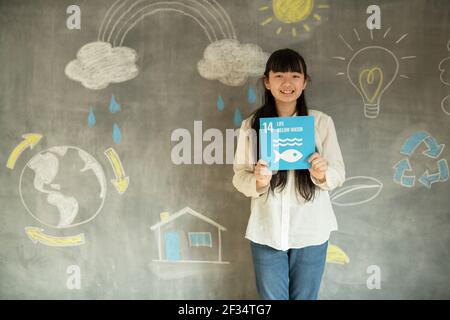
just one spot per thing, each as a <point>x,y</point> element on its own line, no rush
<point>172,242</point>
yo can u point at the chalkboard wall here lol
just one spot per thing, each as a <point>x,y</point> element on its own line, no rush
<point>106,108</point>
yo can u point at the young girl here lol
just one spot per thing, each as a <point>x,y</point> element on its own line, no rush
<point>291,214</point>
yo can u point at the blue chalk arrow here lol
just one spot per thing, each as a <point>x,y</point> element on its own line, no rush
<point>400,168</point>
<point>428,179</point>
<point>434,149</point>
<point>413,142</point>
<point>408,181</point>
<point>443,170</point>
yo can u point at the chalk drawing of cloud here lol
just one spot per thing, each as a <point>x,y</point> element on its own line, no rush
<point>231,62</point>
<point>98,64</point>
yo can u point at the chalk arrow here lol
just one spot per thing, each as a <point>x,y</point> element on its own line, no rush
<point>443,170</point>
<point>37,235</point>
<point>413,142</point>
<point>428,179</point>
<point>121,181</point>
<point>29,141</point>
<point>399,177</point>
<point>336,255</point>
<point>434,149</point>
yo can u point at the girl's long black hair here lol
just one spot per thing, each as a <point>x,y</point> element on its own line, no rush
<point>285,60</point>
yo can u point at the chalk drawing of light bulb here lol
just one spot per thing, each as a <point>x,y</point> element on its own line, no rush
<point>371,70</point>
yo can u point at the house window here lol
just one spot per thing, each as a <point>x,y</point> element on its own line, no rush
<point>200,239</point>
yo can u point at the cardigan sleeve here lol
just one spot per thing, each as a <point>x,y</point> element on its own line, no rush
<point>335,174</point>
<point>244,179</point>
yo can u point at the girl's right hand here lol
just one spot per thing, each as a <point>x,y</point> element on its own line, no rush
<point>263,174</point>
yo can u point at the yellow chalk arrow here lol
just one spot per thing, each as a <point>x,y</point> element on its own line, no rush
<point>38,235</point>
<point>29,141</point>
<point>121,185</point>
<point>336,255</point>
<point>121,181</point>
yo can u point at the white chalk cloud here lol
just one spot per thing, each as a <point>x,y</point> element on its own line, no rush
<point>231,62</point>
<point>98,64</point>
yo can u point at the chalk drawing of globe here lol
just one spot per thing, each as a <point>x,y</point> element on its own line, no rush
<point>63,187</point>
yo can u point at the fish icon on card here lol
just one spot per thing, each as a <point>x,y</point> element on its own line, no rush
<point>286,143</point>
<point>291,155</point>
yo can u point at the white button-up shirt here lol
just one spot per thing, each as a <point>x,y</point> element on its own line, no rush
<point>283,220</point>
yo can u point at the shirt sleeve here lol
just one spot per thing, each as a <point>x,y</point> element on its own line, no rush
<point>244,179</point>
<point>335,174</point>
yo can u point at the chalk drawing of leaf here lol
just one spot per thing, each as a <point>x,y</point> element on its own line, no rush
<point>356,190</point>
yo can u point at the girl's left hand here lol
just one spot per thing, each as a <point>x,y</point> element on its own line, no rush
<point>319,166</point>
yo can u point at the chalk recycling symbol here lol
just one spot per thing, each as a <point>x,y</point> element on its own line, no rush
<point>434,151</point>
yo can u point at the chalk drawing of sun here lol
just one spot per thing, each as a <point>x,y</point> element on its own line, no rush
<point>294,13</point>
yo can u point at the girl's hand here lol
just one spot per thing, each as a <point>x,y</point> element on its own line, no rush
<point>319,166</point>
<point>263,174</point>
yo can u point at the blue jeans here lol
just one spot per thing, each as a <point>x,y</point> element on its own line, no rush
<point>294,274</point>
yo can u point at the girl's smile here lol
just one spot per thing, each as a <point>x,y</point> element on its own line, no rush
<point>287,91</point>
<point>286,88</point>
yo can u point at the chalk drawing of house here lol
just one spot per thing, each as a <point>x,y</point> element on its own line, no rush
<point>188,236</point>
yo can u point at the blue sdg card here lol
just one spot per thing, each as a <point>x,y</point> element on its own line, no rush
<point>286,143</point>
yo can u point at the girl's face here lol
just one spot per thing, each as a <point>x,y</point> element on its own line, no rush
<point>286,87</point>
